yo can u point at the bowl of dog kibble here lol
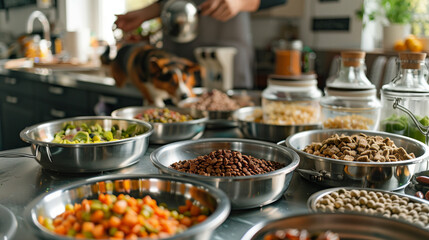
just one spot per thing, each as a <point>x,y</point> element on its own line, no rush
<point>130,206</point>
<point>373,202</point>
<point>358,158</point>
<point>252,173</point>
<point>169,123</point>
<point>252,125</point>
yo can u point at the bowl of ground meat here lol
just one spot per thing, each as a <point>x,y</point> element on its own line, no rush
<point>252,173</point>
<point>358,158</point>
<point>220,105</point>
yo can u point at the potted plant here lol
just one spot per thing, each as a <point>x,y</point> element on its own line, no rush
<point>394,15</point>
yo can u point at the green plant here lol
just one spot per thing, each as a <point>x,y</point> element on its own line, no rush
<point>388,11</point>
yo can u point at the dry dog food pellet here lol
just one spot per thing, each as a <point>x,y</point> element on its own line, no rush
<point>360,148</point>
<point>375,203</point>
<point>226,163</point>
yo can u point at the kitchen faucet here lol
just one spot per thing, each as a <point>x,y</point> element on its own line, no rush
<point>43,20</point>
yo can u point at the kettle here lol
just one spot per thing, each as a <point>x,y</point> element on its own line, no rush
<point>180,20</point>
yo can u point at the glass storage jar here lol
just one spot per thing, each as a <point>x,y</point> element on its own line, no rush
<point>407,92</point>
<point>291,100</point>
<point>350,100</point>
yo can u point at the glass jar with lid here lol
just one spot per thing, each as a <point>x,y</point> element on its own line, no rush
<point>350,100</point>
<point>291,100</point>
<point>405,100</point>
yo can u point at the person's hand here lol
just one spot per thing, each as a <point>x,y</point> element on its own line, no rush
<point>132,20</point>
<point>222,10</point>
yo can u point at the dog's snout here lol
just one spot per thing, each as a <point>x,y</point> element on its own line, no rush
<point>183,96</point>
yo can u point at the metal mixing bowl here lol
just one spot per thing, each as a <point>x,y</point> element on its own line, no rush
<point>169,132</point>
<point>164,189</point>
<point>243,191</point>
<point>347,225</point>
<point>264,131</point>
<point>340,173</point>
<point>91,157</point>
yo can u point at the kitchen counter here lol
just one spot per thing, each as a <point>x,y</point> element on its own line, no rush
<point>23,179</point>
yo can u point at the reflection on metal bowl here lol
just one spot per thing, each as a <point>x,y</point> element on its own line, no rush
<point>346,225</point>
<point>243,191</point>
<point>169,132</point>
<point>89,157</point>
<point>164,189</point>
<point>340,173</point>
<point>263,131</point>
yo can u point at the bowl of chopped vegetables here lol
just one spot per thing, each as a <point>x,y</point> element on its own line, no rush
<point>88,144</point>
<point>170,123</point>
<point>129,207</point>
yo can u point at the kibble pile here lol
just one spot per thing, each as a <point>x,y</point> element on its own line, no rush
<point>215,100</point>
<point>226,163</point>
<point>375,203</point>
<point>360,148</point>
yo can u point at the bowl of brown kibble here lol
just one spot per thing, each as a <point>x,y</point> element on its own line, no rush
<point>358,158</point>
<point>252,173</point>
<point>220,105</point>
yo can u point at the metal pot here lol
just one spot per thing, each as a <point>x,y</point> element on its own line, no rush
<point>180,20</point>
<point>340,173</point>
<point>91,157</point>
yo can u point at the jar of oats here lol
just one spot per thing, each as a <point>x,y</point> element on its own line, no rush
<point>292,100</point>
<point>350,100</point>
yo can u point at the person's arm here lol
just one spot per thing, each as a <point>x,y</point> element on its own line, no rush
<point>132,20</point>
<point>223,10</point>
<point>270,3</point>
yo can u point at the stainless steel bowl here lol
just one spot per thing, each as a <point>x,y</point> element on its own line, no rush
<point>8,223</point>
<point>92,157</point>
<point>244,191</point>
<point>164,189</point>
<point>347,225</point>
<point>169,132</point>
<point>339,173</point>
<point>263,131</point>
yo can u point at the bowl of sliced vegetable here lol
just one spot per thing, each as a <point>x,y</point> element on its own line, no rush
<point>170,123</point>
<point>86,144</point>
<point>129,207</point>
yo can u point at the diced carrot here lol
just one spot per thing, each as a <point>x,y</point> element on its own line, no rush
<point>60,229</point>
<point>195,210</point>
<point>119,234</point>
<point>136,228</point>
<point>98,231</point>
<point>120,206</point>
<point>131,236</point>
<point>77,226</point>
<point>186,221</point>
<point>130,219</point>
<point>183,209</point>
<point>79,236</point>
<point>201,218</point>
<point>188,203</point>
<point>97,216</point>
<point>114,221</point>
<point>87,226</point>
<point>40,219</point>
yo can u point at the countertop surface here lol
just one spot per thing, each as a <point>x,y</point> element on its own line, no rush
<point>23,179</point>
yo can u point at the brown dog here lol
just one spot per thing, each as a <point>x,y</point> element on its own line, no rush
<point>157,74</point>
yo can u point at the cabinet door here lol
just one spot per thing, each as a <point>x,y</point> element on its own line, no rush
<point>16,113</point>
<point>49,111</point>
<point>105,104</point>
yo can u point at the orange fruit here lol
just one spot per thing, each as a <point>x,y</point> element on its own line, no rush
<point>415,45</point>
<point>400,45</point>
<point>409,39</point>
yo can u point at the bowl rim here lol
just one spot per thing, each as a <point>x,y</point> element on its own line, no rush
<point>285,170</point>
<point>250,233</point>
<point>174,108</point>
<point>312,200</point>
<point>213,221</point>
<point>292,137</point>
<point>25,137</point>
<point>237,112</point>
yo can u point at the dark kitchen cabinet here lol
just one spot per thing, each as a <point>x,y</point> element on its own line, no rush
<point>104,104</point>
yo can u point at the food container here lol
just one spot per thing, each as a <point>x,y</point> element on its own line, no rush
<point>291,100</point>
<point>221,118</point>
<point>243,191</point>
<point>251,125</point>
<point>388,204</point>
<point>408,91</point>
<point>339,173</point>
<point>89,157</point>
<point>347,225</point>
<point>164,189</point>
<point>350,100</point>
<point>169,132</point>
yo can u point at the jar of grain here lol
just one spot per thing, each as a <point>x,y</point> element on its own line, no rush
<point>291,100</point>
<point>350,100</point>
